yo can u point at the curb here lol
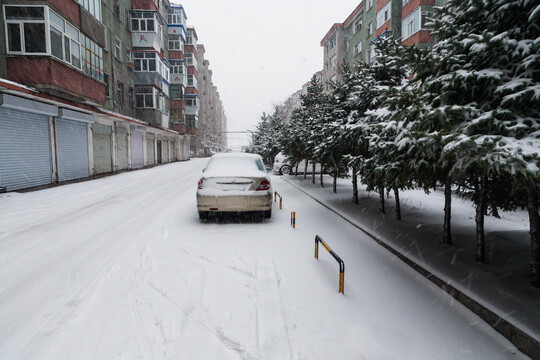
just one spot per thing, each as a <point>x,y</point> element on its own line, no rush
<point>523,341</point>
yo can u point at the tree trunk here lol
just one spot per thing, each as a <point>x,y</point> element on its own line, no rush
<point>381,196</point>
<point>534,225</point>
<point>305,170</point>
<point>355,186</point>
<point>447,232</point>
<point>296,172</point>
<point>334,185</point>
<point>495,211</point>
<point>313,173</point>
<point>480,211</point>
<point>398,207</point>
<point>321,177</point>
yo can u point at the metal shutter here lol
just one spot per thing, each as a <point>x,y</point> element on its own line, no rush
<point>165,153</point>
<point>72,149</point>
<point>122,148</point>
<point>25,149</point>
<point>150,149</point>
<point>137,153</point>
<point>102,148</point>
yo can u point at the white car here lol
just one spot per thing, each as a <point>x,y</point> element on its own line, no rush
<point>234,182</point>
<point>282,166</point>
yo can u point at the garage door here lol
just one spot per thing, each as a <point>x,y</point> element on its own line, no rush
<point>102,148</point>
<point>72,149</point>
<point>122,148</point>
<point>25,149</point>
<point>137,151</point>
<point>165,149</point>
<point>150,149</point>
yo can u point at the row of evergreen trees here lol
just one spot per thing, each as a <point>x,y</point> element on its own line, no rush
<point>464,115</point>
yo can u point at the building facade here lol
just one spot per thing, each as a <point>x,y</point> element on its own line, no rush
<point>92,87</point>
<point>353,40</point>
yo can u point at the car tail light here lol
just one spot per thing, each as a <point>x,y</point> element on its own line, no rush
<point>200,184</point>
<point>264,185</point>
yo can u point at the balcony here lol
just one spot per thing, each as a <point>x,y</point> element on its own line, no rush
<point>192,110</point>
<point>148,78</point>
<point>145,39</point>
<point>179,79</point>
<point>192,131</point>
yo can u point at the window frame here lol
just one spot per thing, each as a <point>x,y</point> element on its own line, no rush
<point>117,48</point>
<point>20,22</point>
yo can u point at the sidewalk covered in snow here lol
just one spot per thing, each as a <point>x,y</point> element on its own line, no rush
<point>499,286</point>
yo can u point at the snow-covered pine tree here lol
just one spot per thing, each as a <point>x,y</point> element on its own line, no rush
<point>484,91</point>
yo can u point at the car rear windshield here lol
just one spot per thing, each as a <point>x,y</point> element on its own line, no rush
<point>235,163</point>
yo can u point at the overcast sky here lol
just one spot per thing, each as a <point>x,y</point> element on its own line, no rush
<point>261,52</point>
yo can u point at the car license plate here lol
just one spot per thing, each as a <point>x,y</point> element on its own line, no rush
<point>232,187</point>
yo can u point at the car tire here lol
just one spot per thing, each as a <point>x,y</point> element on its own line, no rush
<point>285,170</point>
<point>268,214</point>
<point>203,215</point>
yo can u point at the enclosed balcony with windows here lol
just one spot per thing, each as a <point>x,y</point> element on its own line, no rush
<point>147,30</point>
<point>150,68</point>
<point>35,35</point>
<point>178,73</point>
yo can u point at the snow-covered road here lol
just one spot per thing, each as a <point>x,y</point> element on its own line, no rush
<point>122,268</point>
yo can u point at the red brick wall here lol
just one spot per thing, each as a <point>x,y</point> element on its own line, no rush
<point>191,91</point>
<point>380,4</point>
<point>176,55</point>
<point>181,128</point>
<point>190,49</point>
<point>46,71</point>
<point>192,71</point>
<point>413,4</point>
<point>178,104</point>
<point>422,36</point>
<point>142,5</point>
<point>67,9</point>
<point>386,26</point>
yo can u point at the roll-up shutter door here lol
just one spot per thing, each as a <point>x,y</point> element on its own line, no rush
<point>165,153</point>
<point>137,153</point>
<point>102,148</point>
<point>122,148</point>
<point>25,149</point>
<point>171,150</point>
<point>150,149</point>
<point>72,149</point>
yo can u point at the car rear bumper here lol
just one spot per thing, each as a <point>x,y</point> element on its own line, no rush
<point>235,203</point>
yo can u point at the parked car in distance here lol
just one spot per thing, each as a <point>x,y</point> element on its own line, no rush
<point>282,166</point>
<point>234,182</point>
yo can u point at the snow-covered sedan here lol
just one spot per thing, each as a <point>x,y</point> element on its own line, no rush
<point>234,182</point>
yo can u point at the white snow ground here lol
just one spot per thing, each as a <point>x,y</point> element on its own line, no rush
<point>122,268</point>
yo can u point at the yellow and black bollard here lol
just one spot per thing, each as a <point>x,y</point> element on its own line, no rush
<point>293,219</point>
<point>318,240</point>
<point>280,199</point>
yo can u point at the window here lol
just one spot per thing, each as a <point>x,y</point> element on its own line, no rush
<point>144,61</point>
<point>116,8</point>
<point>414,22</point>
<point>65,41</point>
<point>130,97</point>
<point>404,2</point>
<point>92,58</point>
<point>190,80</point>
<point>357,25</point>
<point>177,68</point>
<point>175,42</point>
<point>175,18</point>
<point>333,62</point>
<point>369,4</point>
<point>142,21</point>
<point>144,97</point>
<point>126,17</point>
<point>176,92</point>
<point>358,48</point>
<point>383,15</point>
<point>93,7</point>
<point>191,101</point>
<point>189,59</point>
<point>107,85</point>
<point>26,29</point>
<point>117,49</point>
<point>333,42</point>
<point>368,56</point>
<point>120,93</point>
<point>189,38</point>
<point>369,28</point>
<point>128,55</point>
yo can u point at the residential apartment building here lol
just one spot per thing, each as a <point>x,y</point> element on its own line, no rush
<point>353,40</point>
<point>90,87</point>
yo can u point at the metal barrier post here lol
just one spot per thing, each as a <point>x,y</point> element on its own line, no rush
<point>293,219</point>
<point>280,199</point>
<point>318,240</point>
